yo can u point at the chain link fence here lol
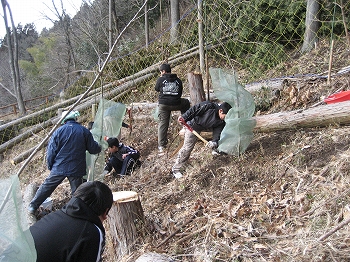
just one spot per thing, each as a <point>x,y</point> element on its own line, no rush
<point>257,39</point>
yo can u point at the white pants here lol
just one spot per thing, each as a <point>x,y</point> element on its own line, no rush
<point>185,151</point>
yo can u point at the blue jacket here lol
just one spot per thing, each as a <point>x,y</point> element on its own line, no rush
<point>66,151</point>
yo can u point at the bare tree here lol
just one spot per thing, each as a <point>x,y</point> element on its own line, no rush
<point>311,25</point>
<point>64,22</point>
<point>175,17</point>
<point>13,56</point>
<point>146,25</point>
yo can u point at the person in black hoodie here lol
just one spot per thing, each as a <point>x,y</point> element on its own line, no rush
<point>123,159</point>
<point>75,232</point>
<point>205,116</point>
<point>170,90</point>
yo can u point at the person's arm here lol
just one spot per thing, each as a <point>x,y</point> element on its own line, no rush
<point>158,84</point>
<point>196,110</point>
<point>90,247</point>
<point>127,150</point>
<point>179,82</point>
<point>91,145</point>
<point>217,132</point>
<point>51,151</point>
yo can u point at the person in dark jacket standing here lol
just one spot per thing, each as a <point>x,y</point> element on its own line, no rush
<point>75,232</point>
<point>207,116</point>
<point>66,157</point>
<point>121,157</point>
<point>170,90</point>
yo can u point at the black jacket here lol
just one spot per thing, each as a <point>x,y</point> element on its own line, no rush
<point>205,116</point>
<point>74,233</point>
<point>170,89</point>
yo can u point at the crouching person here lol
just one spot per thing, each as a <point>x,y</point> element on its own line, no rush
<point>123,159</point>
<point>75,232</point>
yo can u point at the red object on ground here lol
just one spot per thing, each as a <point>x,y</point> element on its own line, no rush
<point>338,97</point>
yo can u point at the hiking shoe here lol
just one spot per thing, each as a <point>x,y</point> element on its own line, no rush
<point>31,210</point>
<point>215,153</point>
<point>161,150</point>
<point>176,173</point>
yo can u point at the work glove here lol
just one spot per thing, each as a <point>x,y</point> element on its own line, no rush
<point>212,145</point>
<point>105,172</point>
<point>181,120</point>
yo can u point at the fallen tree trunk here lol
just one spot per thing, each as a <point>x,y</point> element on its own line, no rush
<point>28,195</point>
<point>25,135</point>
<point>321,116</point>
<point>133,79</point>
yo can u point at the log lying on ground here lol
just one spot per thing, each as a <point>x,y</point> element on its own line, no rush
<point>28,195</point>
<point>25,135</point>
<point>323,115</point>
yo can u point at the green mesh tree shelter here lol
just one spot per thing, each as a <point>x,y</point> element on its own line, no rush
<point>107,123</point>
<point>16,241</point>
<point>238,131</point>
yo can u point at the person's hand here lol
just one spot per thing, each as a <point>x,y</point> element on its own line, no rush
<point>105,172</point>
<point>212,145</point>
<point>181,120</point>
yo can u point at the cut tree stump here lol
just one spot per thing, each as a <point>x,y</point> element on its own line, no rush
<point>195,83</point>
<point>126,222</point>
<point>154,257</point>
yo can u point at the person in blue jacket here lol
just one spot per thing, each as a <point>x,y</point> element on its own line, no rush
<point>66,158</point>
<point>75,232</point>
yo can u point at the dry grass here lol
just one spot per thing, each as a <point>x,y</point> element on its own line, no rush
<point>273,203</point>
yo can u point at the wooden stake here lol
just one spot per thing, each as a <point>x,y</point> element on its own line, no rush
<point>330,63</point>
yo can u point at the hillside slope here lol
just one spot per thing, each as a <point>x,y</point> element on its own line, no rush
<point>273,203</point>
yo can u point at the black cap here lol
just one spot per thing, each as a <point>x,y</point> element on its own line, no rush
<point>165,67</point>
<point>113,141</point>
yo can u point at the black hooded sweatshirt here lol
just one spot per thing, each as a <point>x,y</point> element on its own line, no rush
<point>73,233</point>
<point>170,89</point>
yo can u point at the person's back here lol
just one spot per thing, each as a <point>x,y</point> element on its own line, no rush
<point>76,232</point>
<point>67,148</point>
<point>170,90</point>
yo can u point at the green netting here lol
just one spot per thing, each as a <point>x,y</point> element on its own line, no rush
<point>108,121</point>
<point>16,242</point>
<point>238,131</point>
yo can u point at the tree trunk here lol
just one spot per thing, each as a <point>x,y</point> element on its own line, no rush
<point>154,257</point>
<point>311,25</point>
<point>195,83</point>
<point>110,34</point>
<point>13,57</point>
<point>28,133</point>
<point>175,17</point>
<point>201,37</point>
<point>126,222</point>
<point>324,115</point>
<point>146,26</point>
